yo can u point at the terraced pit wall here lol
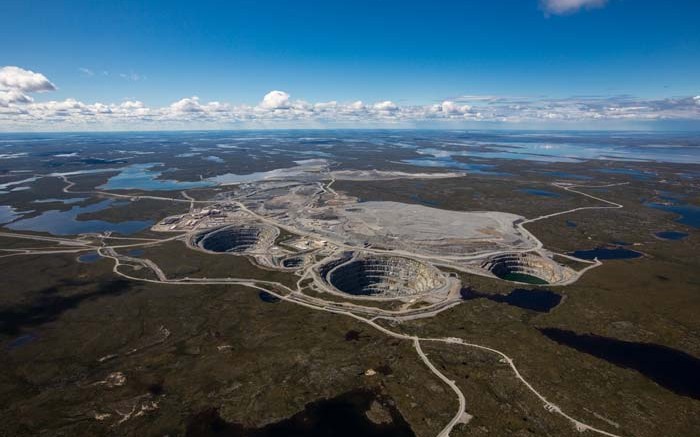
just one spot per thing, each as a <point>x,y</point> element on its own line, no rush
<point>237,238</point>
<point>385,276</point>
<point>528,264</point>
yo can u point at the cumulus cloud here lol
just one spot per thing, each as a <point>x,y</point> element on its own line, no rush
<point>13,96</point>
<point>275,100</point>
<point>16,83</point>
<point>188,104</point>
<point>191,111</point>
<point>326,106</point>
<point>386,106</point>
<point>19,111</point>
<point>562,7</point>
<point>25,81</point>
<point>450,107</point>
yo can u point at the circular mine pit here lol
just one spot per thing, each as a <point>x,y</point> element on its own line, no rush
<point>527,268</point>
<point>293,263</point>
<point>237,238</point>
<point>385,277</point>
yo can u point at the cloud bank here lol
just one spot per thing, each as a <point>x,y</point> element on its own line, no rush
<point>19,111</point>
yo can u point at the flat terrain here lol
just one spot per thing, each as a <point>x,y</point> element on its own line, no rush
<point>144,333</point>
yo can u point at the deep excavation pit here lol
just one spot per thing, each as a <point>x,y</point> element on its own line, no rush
<point>385,276</point>
<point>528,268</point>
<point>237,239</point>
<point>294,262</point>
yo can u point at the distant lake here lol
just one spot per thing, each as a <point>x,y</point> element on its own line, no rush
<point>636,174</point>
<point>565,175</point>
<point>8,213</point>
<point>603,253</point>
<point>66,223</point>
<point>449,162</point>
<point>671,235</point>
<point>142,177</point>
<point>89,258</point>
<point>689,214</point>
<point>267,297</point>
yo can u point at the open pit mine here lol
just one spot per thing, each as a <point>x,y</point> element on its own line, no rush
<point>365,250</point>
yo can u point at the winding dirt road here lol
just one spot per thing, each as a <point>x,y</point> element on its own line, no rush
<point>363,314</point>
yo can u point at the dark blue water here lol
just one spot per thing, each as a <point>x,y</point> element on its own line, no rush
<point>689,214</point>
<point>671,235</point>
<point>571,224</point>
<point>8,213</point>
<point>267,297</point>
<point>66,223</point>
<point>89,257</point>
<point>636,174</point>
<point>537,192</point>
<point>565,175</point>
<point>603,253</point>
<point>449,162</point>
<point>670,368</point>
<point>670,196</point>
<point>541,301</point>
<point>142,177</point>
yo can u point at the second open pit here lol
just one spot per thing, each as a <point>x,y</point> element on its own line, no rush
<point>527,268</point>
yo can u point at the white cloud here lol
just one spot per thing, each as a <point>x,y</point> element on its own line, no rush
<point>86,72</point>
<point>326,106</point>
<point>26,81</point>
<point>132,104</point>
<point>449,107</point>
<point>562,7</point>
<point>386,106</point>
<point>18,111</point>
<point>130,76</point>
<point>16,82</point>
<point>189,104</point>
<point>13,96</point>
<point>191,111</point>
<point>275,100</point>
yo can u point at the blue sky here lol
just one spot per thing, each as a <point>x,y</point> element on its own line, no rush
<point>405,52</point>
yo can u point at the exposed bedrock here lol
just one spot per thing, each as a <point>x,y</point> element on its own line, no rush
<point>385,276</point>
<point>237,238</point>
<point>519,266</point>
